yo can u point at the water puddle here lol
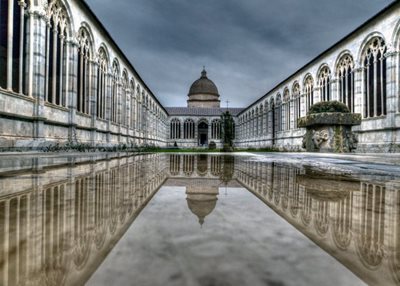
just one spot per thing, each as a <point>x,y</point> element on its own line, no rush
<point>194,219</point>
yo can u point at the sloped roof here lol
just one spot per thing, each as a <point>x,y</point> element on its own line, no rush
<point>197,111</point>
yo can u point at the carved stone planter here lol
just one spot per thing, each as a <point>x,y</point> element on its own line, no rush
<point>330,132</point>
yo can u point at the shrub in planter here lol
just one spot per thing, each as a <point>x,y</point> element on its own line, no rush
<point>329,106</point>
<point>212,145</point>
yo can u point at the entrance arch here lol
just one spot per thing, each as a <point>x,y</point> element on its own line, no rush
<point>202,133</point>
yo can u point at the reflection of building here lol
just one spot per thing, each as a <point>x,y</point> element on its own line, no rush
<point>202,175</point>
<point>202,197</point>
<point>57,229</point>
<point>57,226</point>
<point>356,222</point>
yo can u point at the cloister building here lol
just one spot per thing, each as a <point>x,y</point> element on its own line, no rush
<point>64,79</point>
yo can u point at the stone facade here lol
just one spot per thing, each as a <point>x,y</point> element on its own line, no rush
<point>69,82</point>
<point>361,70</point>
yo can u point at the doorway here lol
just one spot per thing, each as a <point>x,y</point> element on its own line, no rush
<point>203,134</point>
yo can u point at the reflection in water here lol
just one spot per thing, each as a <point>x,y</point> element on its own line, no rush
<point>356,222</point>
<point>55,231</point>
<point>57,226</point>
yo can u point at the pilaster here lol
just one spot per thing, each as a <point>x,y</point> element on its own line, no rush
<point>72,91</point>
<point>38,61</point>
<point>94,66</point>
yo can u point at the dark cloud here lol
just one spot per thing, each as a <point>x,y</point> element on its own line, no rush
<point>246,46</point>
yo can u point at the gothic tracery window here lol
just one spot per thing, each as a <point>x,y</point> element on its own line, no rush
<point>325,84</point>
<point>287,108</point>
<point>56,53</point>
<point>188,129</point>
<point>216,129</point>
<point>124,99</point>
<point>297,103</point>
<point>261,120</point>
<point>309,91</point>
<point>175,129</point>
<point>114,93</point>
<point>13,49</point>
<point>133,104</point>
<point>374,64</point>
<point>278,114</point>
<point>345,77</point>
<point>102,84</point>
<point>84,74</point>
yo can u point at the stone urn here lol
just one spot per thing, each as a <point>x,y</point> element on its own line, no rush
<point>330,132</point>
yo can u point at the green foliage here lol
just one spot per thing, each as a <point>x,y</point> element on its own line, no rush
<point>212,145</point>
<point>228,130</point>
<point>329,106</point>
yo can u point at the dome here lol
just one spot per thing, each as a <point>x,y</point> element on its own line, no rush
<point>203,86</point>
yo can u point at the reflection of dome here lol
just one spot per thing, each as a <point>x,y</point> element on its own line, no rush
<point>201,200</point>
<point>201,205</point>
<point>203,93</point>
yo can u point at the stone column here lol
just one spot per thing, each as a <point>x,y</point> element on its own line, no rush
<point>303,103</point>
<point>358,91</point>
<point>94,66</point>
<point>72,91</point>
<point>22,6</point>
<point>10,38</point>
<point>127,112</point>
<point>334,89</point>
<point>392,99</point>
<point>317,95</point>
<point>118,94</point>
<point>108,79</point>
<point>38,61</point>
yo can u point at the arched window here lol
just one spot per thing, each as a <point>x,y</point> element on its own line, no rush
<point>188,165</point>
<point>296,101</point>
<point>287,108</point>
<point>272,117</point>
<point>138,104</point>
<point>309,91</point>
<point>114,93</point>
<point>374,64</point>
<point>188,129</point>
<point>325,84</point>
<point>175,129</point>
<point>256,122</point>
<point>372,217</point>
<point>84,74</point>
<point>261,120</point>
<point>278,114</point>
<point>266,110</point>
<point>216,129</point>
<point>345,77</point>
<point>174,164</point>
<point>252,124</point>
<point>133,104</point>
<point>124,99</point>
<point>12,49</point>
<point>56,53</point>
<point>102,84</point>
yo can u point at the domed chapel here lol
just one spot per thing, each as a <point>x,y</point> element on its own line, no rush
<point>199,123</point>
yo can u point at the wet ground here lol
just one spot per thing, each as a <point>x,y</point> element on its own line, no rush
<point>198,219</point>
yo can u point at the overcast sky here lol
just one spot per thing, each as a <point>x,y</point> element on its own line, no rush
<point>247,46</point>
